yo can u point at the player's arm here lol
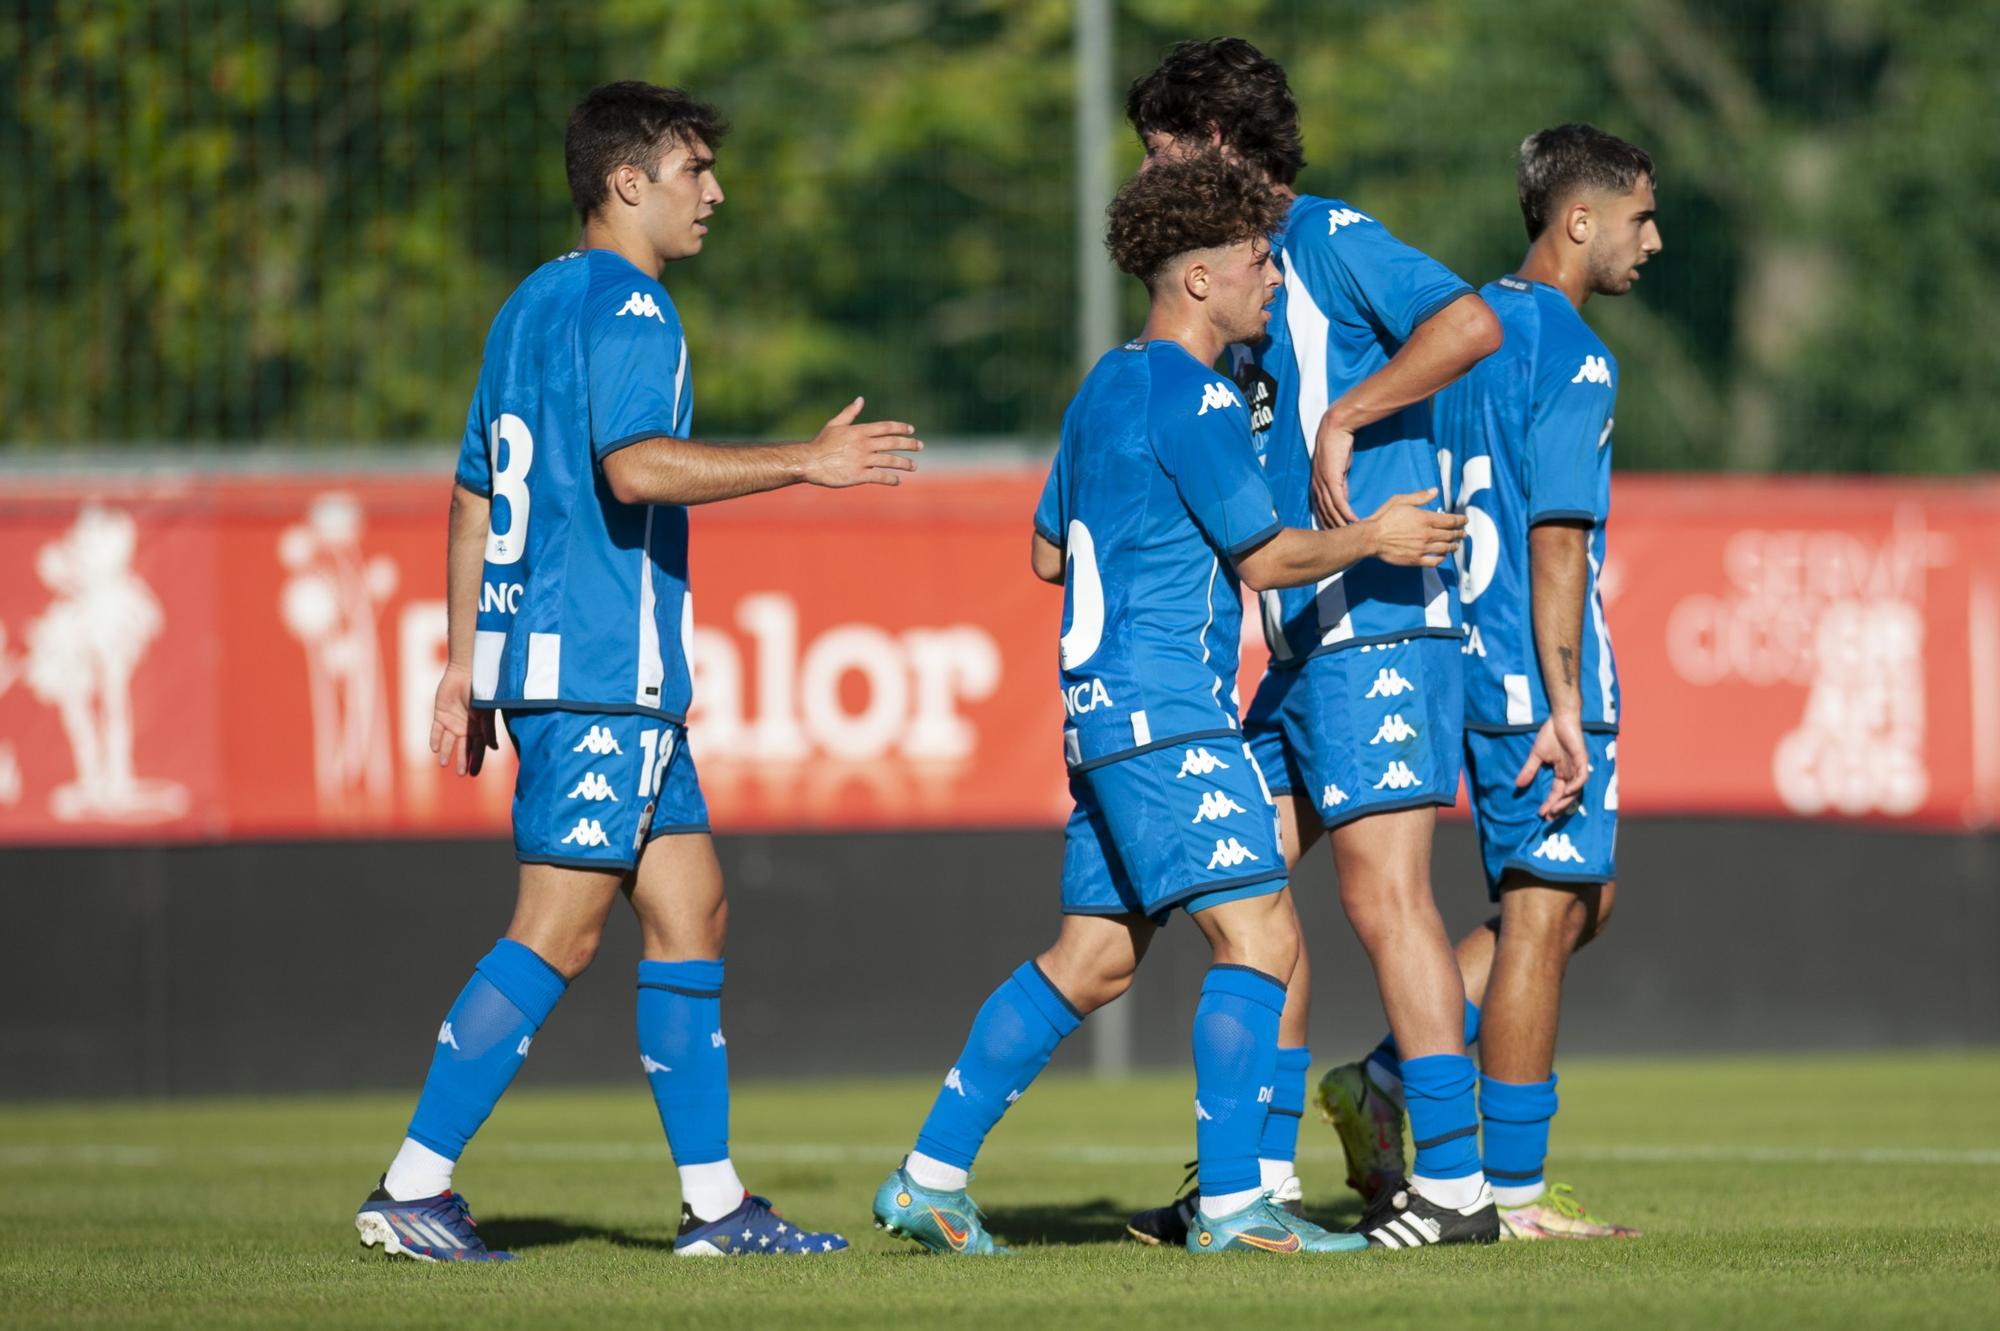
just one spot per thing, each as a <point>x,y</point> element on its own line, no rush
<point>666,470</point>
<point>1402,531</point>
<point>1442,348</point>
<point>460,735</point>
<point>1559,583</point>
<point>1046,557</point>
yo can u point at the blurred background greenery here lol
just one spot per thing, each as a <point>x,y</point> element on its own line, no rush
<point>289,222</point>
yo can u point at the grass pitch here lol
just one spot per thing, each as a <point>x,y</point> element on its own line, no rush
<point>1775,1192</point>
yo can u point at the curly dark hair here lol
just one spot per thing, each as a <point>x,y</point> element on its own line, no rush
<point>1178,205</point>
<point>1557,162</point>
<point>1228,85</point>
<point>630,123</point>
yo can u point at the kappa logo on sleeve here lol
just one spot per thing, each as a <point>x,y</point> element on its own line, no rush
<point>1595,370</point>
<point>642,304</point>
<point>1216,396</point>
<point>1341,217</point>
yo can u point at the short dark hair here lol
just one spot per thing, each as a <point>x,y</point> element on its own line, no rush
<point>633,123</point>
<point>1230,85</point>
<point>1179,205</point>
<point>1557,162</point>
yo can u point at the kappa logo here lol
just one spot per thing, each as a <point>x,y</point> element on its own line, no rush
<point>1216,805</point>
<point>715,1040</point>
<point>642,304</point>
<point>1558,848</point>
<point>952,1082</point>
<point>1199,762</point>
<point>1398,777</point>
<point>1217,396</point>
<point>599,741</point>
<point>593,787</point>
<point>652,1065</point>
<point>1331,796</point>
<point>1229,853</point>
<point>587,832</point>
<point>1389,683</point>
<point>1394,730</point>
<point>1200,1113</point>
<point>1341,217</point>
<point>446,1037</point>
<point>1594,371</point>
<point>521,1049</point>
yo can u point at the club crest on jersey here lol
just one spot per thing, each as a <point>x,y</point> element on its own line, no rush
<point>1559,849</point>
<point>587,832</point>
<point>1595,370</point>
<point>1229,853</point>
<point>1341,217</point>
<point>1389,683</point>
<point>600,741</point>
<point>1086,696</point>
<point>1199,762</point>
<point>1398,777</point>
<point>1215,805</point>
<point>1217,396</point>
<point>1394,730</point>
<point>642,304</point>
<point>594,788</point>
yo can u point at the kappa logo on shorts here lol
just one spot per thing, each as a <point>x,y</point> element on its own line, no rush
<point>593,787</point>
<point>1331,796</point>
<point>1199,762</point>
<point>1229,853</point>
<point>587,832</point>
<point>1215,805</point>
<point>1389,683</point>
<point>642,304</point>
<point>1558,848</point>
<point>1398,777</point>
<point>1394,730</point>
<point>599,741</point>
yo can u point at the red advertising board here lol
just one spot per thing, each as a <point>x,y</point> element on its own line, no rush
<point>214,657</point>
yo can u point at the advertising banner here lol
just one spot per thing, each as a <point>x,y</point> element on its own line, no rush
<point>230,656</point>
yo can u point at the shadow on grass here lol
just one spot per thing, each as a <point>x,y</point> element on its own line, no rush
<point>514,1233</point>
<point>1102,1220</point>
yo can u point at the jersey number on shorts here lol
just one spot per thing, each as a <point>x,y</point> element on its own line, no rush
<point>511,484</point>
<point>659,749</point>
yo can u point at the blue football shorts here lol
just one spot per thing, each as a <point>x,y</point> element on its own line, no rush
<point>1190,825</point>
<point>1365,729</point>
<point>1579,847</point>
<point>595,788</point>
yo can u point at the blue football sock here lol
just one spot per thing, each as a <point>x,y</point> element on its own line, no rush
<point>1384,1055</point>
<point>482,1043</point>
<point>1235,1062</point>
<point>1444,1124</point>
<point>685,1058</point>
<point>1515,1118</point>
<point>1288,1104</point>
<point>1013,1037</point>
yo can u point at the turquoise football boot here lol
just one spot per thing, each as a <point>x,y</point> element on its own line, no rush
<point>1265,1226</point>
<point>941,1221</point>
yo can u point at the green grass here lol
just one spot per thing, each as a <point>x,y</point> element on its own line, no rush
<point>1776,1192</point>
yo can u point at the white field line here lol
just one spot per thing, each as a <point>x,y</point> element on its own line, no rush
<point>43,1155</point>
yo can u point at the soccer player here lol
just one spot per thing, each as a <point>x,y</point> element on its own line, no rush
<point>568,614</point>
<point>1155,507</point>
<point>1358,718</point>
<point>1529,437</point>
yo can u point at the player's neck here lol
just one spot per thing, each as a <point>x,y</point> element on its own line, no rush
<point>1188,328</point>
<point>599,235</point>
<point>1562,269</point>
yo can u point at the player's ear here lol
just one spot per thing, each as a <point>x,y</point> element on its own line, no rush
<point>624,183</point>
<point>1578,221</point>
<point>1195,279</point>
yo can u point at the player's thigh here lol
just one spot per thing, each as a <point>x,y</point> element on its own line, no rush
<point>1299,827</point>
<point>1549,919</point>
<point>1386,857</point>
<point>559,913</point>
<point>678,897</point>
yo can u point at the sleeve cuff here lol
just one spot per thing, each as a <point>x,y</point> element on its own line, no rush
<point>1438,304</point>
<point>1048,536</point>
<point>1249,543</point>
<point>1564,515</point>
<point>605,450</point>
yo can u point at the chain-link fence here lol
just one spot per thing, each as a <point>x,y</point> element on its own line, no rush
<point>290,222</point>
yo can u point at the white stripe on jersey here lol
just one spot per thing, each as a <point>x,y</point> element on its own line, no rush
<point>1520,708</point>
<point>489,646</point>
<point>1603,646</point>
<point>652,669</point>
<point>544,678</point>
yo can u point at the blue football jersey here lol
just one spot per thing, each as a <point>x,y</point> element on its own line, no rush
<point>1528,438</point>
<point>584,600</point>
<point>1154,491</point>
<point>1352,296</point>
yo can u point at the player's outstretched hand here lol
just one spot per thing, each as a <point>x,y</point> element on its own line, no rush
<point>1333,451</point>
<point>1408,533</point>
<point>844,453</point>
<point>460,736</point>
<point>1559,746</point>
